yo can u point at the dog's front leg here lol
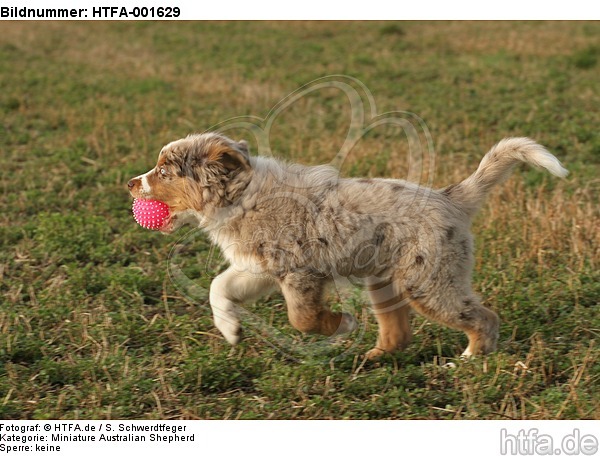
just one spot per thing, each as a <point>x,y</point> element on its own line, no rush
<point>229,289</point>
<point>307,311</point>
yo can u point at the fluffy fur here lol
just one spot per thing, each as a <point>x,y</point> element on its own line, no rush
<point>297,228</point>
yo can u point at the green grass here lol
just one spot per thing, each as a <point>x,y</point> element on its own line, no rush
<point>91,325</point>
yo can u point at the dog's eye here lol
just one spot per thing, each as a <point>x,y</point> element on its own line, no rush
<point>162,171</point>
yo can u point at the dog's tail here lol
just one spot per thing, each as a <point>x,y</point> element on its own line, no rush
<point>496,167</point>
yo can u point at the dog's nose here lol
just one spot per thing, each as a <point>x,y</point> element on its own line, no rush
<point>131,183</point>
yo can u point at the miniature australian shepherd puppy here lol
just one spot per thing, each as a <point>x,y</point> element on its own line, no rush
<point>298,228</point>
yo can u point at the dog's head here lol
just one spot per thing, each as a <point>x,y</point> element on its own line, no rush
<point>194,176</point>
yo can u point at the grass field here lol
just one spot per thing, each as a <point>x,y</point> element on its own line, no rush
<point>91,326</point>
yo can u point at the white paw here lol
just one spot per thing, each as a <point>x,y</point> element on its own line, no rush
<point>230,328</point>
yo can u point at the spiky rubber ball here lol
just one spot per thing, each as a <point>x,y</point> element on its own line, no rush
<point>151,214</point>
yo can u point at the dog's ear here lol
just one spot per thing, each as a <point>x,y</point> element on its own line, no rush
<point>234,157</point>
<point>243,146</point>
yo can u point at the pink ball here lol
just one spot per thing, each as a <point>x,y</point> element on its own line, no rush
<point>150,214</point>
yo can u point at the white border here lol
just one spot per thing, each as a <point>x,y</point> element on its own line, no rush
<point>277,438</point>
<point>348,9</point>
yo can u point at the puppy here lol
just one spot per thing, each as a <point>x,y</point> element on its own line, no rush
<point>298,228</point>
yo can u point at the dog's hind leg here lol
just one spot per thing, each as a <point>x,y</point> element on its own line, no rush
<point>464,312</point>
<point>307,311</point>
<point>229,289</point>
<point>393,316</point>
